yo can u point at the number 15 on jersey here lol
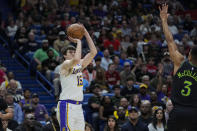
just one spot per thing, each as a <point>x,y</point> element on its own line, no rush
<point>80,81</point>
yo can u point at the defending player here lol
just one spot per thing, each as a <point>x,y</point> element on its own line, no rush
<point>70,113</point>
<point>184,91</point>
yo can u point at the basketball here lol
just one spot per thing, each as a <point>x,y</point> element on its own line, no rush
<point>75,31</point>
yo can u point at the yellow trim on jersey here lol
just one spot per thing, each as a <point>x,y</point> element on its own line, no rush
<point>67,117</point>
<point>58,111</point>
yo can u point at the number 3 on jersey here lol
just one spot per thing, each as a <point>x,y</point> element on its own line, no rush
<point>187,90</point>
<point>80,81</point>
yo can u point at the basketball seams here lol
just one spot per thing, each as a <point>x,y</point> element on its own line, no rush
<point>75,31</point>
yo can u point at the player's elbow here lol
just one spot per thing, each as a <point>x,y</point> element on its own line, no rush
<point>93,52</point>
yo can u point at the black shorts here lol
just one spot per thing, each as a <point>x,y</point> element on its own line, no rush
<point>182,119</point>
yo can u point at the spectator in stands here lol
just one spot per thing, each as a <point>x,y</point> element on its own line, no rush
<point>169,107</point>
<point>52,124</point>
<point>18,114</point>
<point>101,80</point>
<point>124,103</point>
<point>126,73</point>
<point>146,112</point>
<point>134,123</point>
<point>60,42</point>
<point>126,30</point>
<point>49,65</point>
<point>10,76</point>
<point>21,39</point>
<point>140,71</point>
<point>154,99</point>
<point>125,42</point>
<point>188,24</point>
<point>116,61</point>
<point>129,89</point>
<point>98,64</point>
<point>106,109</point>
<point>11,29</point>
<point>135,100</point>
<point>94,104</point>
<point>12,89</point>
<point>89,73</point>
<point>29,123</point>
<point>151,68</point>
<point>116,98</point>
<point>41,113</point>
<point>3,76</point>
<point>112,77</point>
<point>167,64</point>
<point>146,81</point>
<point>111,41</point>
<point>88,127</point>
<point>169,84</point>
<point>144,92</point>
<point>194,31</point>
<point>171,26</point>
<point>3,92</point>
<point>106,60</point>
<point>31,46</point>
<point>41,54</point>
<point>6,112</point>
<point>9,125</point>
<point>132,51</point>
<point>158,80</point>
<point>144,27</point>
<point>162,94</point>
<point>121,115</point>
<point>124,58</point>
<point>159,122</point>
<point>112,124</point>
<point>27,101</point>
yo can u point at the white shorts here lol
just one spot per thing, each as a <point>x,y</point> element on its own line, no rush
<point>70,116</point>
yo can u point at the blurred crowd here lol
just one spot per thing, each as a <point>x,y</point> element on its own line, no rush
<point>132,63</point>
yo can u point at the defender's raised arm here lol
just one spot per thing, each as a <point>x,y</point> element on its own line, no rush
<point>175,55</point>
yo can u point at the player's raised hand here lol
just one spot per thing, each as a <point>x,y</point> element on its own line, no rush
<point>74,40</point>
<point>164,12</point>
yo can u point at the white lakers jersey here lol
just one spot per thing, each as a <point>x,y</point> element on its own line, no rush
<point>72,84</point>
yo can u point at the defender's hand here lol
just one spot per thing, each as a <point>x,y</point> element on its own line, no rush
<point>164,12</point>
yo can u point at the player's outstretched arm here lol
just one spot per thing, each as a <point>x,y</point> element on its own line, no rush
<point>90,56</point>
<point>67,64</point>
<point>175,55</point>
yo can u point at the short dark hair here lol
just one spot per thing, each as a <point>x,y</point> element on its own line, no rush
<point>26,90</point>
<point>98,59</point>
<point>194,52</point>
<point>65,49</point>
<point>49,51</point>
<point>116,87</point>
<point>9,94</point>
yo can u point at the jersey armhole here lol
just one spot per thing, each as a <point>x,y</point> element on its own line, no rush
<point>182,63</point>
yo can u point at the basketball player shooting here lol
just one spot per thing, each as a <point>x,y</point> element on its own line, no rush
<point>70,113</point>
<point>183,117</point>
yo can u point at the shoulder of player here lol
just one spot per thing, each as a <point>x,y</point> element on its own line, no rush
<point>63,69</point>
